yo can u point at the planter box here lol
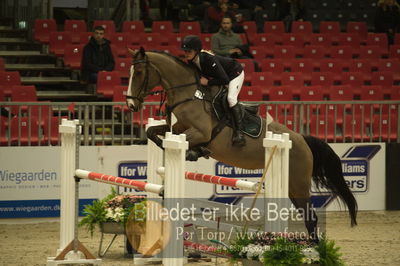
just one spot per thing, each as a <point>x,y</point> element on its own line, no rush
<point>112,228</point>
<point>247,262</point>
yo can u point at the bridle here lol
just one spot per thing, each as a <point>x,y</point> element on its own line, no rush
<point>140,96</point>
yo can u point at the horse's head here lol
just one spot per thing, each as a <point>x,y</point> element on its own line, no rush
<point>143,78</point>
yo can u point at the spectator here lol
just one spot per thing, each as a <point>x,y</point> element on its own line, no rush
<point>216,13</point>
<point>227,43</point>
<point>97,56</point>
<point>387,18</point>
<point>289,11</point>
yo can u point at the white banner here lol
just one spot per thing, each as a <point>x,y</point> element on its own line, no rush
<point>30,176</point>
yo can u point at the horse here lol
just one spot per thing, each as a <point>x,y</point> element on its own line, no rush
<point>310,158</point>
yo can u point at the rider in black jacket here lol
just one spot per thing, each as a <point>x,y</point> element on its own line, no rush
<point>97,56</point>
<point>218,70</point>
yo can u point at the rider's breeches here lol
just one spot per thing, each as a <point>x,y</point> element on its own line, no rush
<point>234,87</point>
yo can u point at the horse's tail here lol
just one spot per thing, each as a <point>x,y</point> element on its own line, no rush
<point>327,172</point>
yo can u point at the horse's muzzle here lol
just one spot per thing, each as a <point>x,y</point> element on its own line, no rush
<point>134,106</point>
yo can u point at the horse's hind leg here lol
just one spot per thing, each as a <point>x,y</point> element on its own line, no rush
<point>304,207</point>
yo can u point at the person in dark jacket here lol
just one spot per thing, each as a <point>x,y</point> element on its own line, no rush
<point>97,56</point>
<point>387,18</point>
<point>218,70</point>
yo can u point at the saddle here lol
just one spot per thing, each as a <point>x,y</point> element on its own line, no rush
<point>251,121</point>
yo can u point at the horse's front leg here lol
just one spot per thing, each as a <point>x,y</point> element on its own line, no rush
<point>196,137</point>
<point>154,132</point>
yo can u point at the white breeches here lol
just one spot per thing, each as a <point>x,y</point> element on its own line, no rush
<point>234,87</point>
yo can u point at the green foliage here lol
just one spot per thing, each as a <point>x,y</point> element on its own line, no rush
<point>112,208</point>
<point>95,214</point>
<point>329,254</point>
<point>243,239</point>
<point>282,253</point>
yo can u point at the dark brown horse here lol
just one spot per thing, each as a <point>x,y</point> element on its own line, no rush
<point>309,156</point>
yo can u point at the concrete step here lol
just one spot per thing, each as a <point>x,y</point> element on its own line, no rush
<point>64,94</point>
<point>22,53</point>
<point>5,40</point>
<point>19,67</point>
<point>48,80</point>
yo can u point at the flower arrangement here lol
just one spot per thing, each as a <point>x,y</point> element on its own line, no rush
<point>113,208</point>
<point>280,249</point>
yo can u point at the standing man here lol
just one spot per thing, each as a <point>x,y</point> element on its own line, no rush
<point>97,56</point>
<point>227,43</point>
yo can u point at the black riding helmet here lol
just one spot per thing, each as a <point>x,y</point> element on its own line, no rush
<point>191,42</point>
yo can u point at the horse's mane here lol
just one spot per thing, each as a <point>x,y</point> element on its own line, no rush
<point>176,58</point>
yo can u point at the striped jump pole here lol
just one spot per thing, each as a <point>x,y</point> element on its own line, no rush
<point>217,180</point>
<point>119,181</point>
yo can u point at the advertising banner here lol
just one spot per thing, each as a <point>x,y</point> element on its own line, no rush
<point>30,177</point>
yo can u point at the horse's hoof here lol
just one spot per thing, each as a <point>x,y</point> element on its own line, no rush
<point>192,156</point>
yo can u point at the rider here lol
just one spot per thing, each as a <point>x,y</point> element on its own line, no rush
<point>218,70</point>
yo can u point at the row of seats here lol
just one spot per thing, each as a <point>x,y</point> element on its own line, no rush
<point>58,40</point>
<point>193,27</point>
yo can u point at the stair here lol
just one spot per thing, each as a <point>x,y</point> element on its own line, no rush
<point>52,80</point>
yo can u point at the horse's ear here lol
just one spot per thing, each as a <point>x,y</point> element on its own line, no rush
<point>142,51</point>
<point>132,52</point>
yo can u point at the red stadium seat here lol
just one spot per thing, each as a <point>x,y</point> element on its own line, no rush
<point>323,39</point>
<point>106,81</point>
<point>324,127</point>
<point>58,42</point>
<point>84,37</point>
<point>283,52</point>
<point>258,52</point>
<point>329,27</point>
<point>267,39</point>
<point>357,27</point>
<point>50,130</point>
<point>353,78</point>
<point>382,78</point>
<point>371,52</point>
<point>385,127</point>
<point>108,25</point>
<point>360,65</point>
<point>351,39</point>
<point>274,27</point>
<point>331,65</point>
<point>206,39</point>
<point>162,27</point>
<point>394,51</point>
<point>250,27</point>
<point>121,41</point>
<point>73,55</point>
<point>75,27</point>
<point>9,79</point>
<point>305,65</point>
<point>281,93</point>
<point>272,65</point>
<point>294,39</point>
<point>314,51</point>
<point>251,93</point>
<point>248,67</point>
<point>354,130</point>
<point>25,131</point>
<point>302,27</point>
<point>295,79</point>
<point>123,66</point>
<point>192,27</point>
<point>324,79</point>
<point>43,28</point>
<point>133,26</point>
<point>343,52</point>
<point>379,39</point>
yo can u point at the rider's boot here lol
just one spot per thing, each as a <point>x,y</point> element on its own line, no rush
<point>238,137</point>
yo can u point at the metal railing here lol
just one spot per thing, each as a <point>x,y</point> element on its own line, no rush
<point>111,123</point>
